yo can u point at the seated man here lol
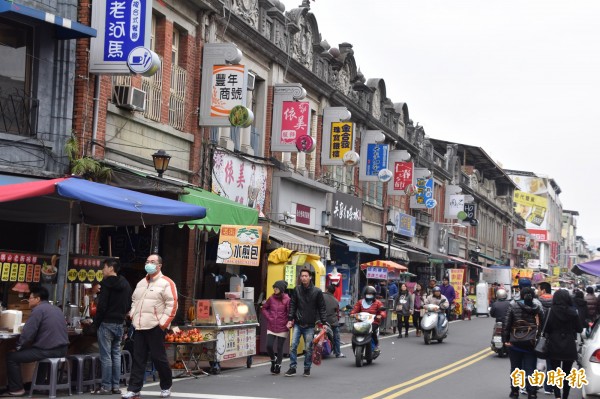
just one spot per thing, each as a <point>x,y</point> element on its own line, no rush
<point>44,335</point>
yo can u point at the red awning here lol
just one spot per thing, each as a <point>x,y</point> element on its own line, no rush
<point>388,264</point>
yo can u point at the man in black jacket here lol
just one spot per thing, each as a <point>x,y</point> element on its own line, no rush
<point>307,306</point>
<point>114,301</point>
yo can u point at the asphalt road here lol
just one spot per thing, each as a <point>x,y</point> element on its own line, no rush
<point>460,367</point>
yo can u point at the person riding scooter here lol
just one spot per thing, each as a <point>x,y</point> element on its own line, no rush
<point>373,306</point>
<point>500,306</point>
<point>436,298</point>
<point>498,310</point>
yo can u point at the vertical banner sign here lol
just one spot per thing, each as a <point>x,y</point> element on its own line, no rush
<point>403,175</point>
<point>342,138</point>
<point>424,193</point>
<point>374,155</point>
<point>455,203</point>
<point>239,245</point>
<point>456,281</point>
<point>295,121</point>
<point>227,89</point>
<point>122,26</point>
<point>470,210</point>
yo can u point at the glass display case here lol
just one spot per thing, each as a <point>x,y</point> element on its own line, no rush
<point>232,324</point>
<point>225,312</point>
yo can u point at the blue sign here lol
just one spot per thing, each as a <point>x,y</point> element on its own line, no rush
<point>124,28</point>
<point>405,224</point>
<point>377,158</point>
<point>424,191</point>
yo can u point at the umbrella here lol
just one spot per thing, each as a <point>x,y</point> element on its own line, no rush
<point>388,264</point>
<point>591,267</point>
<point>73,200</point>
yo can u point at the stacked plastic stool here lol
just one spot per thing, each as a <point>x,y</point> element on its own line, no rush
<point>97,367</point>
<point>126,364</point>
<point>55,374</point>
<point>83,377</point>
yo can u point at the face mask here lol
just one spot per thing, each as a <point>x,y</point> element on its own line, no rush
<point>150,268</point>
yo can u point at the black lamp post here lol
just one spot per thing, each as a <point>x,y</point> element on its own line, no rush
<point>389,227</point>
<point>161,161</point>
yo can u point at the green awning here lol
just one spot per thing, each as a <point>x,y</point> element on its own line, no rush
<point>219,210</point>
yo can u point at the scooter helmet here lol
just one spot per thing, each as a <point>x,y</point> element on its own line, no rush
<point>501,294</point>
<point>437,289</point>
<point>370,290</point>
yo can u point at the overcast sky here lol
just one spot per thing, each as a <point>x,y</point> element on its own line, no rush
<point>521,79</point>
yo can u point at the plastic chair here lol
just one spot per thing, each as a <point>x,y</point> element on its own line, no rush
<point>97,367</point>
<point>82,379</point>
<point>126,364</point>
<point>52,371</point>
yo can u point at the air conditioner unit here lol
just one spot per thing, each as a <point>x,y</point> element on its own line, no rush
<point>251,81</point>
<point>130,98</point>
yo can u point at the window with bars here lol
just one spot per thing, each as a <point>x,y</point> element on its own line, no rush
<point>373,192</point>
<point>177,97</point>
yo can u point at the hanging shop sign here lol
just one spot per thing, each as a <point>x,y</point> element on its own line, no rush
<point>423,199</point>
<point>341,140</point>
<point>239,245</point>
<point>291,117</point>
<point>338,135</point>
<point>224,83</point>
<point>85,269</point>
<point>240,116</point>
<point>346,212</point>
<point>305,143</point>
<point>28,267</point>
<point>453,246</point>
<point>239,180</point>
<point>374,153</point>
<point>122,27</point>
<point>538,234</point>
<point>143,61</point>
<point>295,121</point>
<point>402,172</point>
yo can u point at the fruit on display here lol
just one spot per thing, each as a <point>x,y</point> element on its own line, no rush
<point>185,336</point>
<point>178,365</point>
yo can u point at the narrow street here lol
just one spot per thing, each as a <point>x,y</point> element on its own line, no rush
<point>461,367</point>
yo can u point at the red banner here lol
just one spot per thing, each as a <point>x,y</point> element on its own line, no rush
<point>295,117</point>
<point>403,175</point>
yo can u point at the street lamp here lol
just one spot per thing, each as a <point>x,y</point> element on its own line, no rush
<point>389,227</point>
<point>161,162</point>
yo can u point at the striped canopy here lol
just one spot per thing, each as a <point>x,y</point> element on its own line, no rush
<point>388,264</point>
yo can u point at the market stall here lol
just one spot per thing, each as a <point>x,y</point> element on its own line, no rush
<point>384,270</point>
<point>228,329</point>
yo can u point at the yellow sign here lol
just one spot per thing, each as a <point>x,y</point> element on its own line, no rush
<point>456,281</point>
<point>531,207</point>
<point>342,136</point>
<point>239,245</point>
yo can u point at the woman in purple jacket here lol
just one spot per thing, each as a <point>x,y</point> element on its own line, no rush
<point>275,310</point>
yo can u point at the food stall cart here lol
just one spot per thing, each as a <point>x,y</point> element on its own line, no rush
<point>228,328</point>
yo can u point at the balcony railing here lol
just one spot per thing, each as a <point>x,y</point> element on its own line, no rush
<point>177,97</point>
<point>153,87</point>
<point>19,114</point>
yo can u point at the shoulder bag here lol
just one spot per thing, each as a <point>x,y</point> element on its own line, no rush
<point>523,332</point>
<point>541,346</point>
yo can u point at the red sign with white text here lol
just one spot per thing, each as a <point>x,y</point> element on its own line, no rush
<point>303,214</point>
<point>538,235</point>
<point>403,175</point>
<point>295,118</point>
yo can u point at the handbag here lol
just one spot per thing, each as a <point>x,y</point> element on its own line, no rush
<point>523,332</point>
<point>541,346</point>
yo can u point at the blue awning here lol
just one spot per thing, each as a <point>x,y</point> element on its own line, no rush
<point>65,28</point>
<point>355,244</point>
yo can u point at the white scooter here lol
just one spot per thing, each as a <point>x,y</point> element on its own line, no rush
<point>363,345</point>
<point>429,324</point>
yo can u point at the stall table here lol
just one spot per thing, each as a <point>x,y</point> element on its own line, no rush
<point>191,354</point>
<point>231,325</point>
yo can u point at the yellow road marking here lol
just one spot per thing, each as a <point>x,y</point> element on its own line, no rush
<point>453,366</point>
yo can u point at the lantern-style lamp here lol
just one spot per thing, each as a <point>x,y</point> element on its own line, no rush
<point>161,161</point>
